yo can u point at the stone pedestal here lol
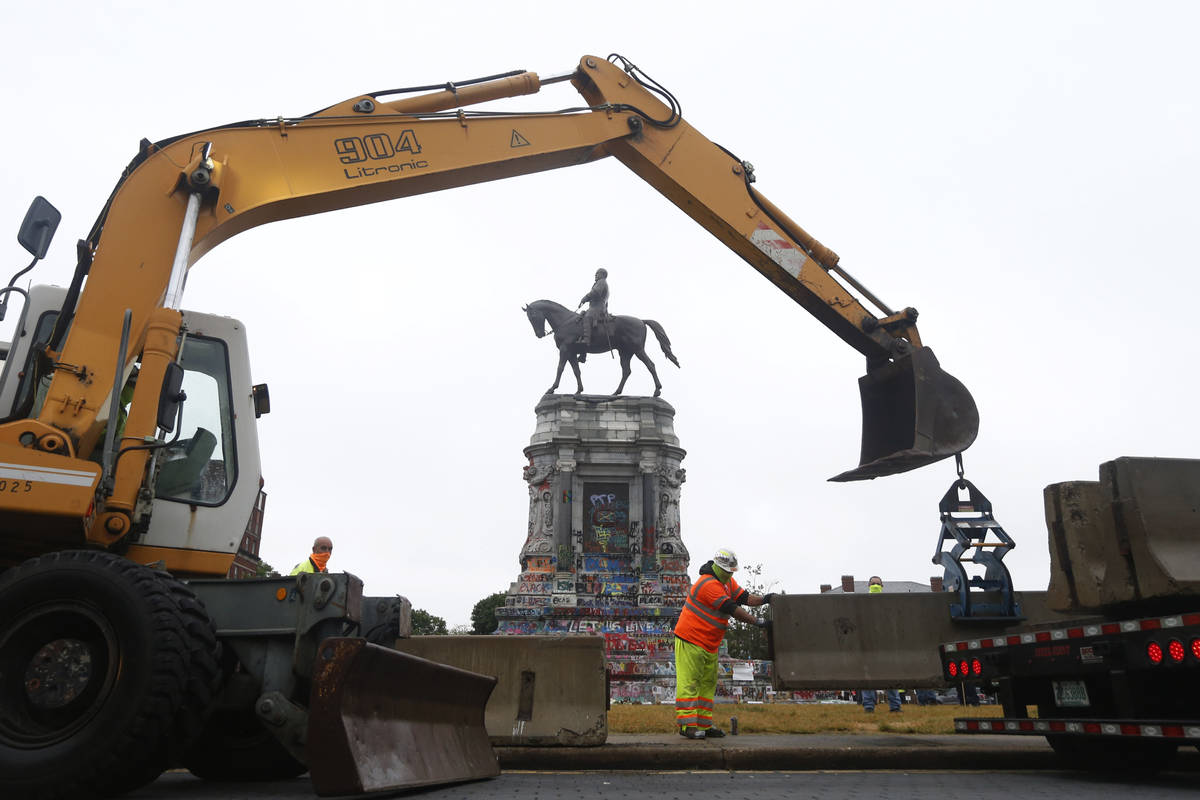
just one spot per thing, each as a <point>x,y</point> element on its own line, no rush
<point>603,552</point>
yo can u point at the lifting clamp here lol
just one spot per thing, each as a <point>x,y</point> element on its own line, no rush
<point>967,523</point>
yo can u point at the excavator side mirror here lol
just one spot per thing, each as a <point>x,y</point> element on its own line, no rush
<point>262,399</point>
<point>41,221</point>
<point>170,397</point>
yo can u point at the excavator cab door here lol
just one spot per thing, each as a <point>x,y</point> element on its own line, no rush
<point>207,484</point>
<point>914,413</point>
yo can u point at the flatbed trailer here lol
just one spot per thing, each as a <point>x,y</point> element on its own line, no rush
<point>1095,689</point>
<point>1118,684</point>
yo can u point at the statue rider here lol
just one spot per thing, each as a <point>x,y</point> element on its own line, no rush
<point>597,312</point>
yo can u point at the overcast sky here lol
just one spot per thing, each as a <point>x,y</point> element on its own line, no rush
<point>1023,173</point>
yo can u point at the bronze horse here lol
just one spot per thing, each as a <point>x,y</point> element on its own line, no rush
<point>626,335</point>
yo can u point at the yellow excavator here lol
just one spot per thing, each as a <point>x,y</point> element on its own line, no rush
<point>129,459</point>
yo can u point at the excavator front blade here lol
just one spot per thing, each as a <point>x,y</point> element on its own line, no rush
<point>382,720</point>
<point>914,413</point>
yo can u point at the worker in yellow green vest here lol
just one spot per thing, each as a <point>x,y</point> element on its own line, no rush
<point>875,586</point>
<point>322,548</point>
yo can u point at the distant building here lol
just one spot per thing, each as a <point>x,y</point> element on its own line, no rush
<point>246,561</point>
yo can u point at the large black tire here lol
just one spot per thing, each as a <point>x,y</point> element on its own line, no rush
<point>203,681</point>
<point>236,747</point>
<point>204,673</point>
<point>95,664</point>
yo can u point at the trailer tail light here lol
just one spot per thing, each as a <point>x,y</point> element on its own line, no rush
<point>962,668</point>
<point>1196,648</point>
<point>952,668</point>
<point>1175,648</point>
<point>1155,652</point>
<point>977,667</point>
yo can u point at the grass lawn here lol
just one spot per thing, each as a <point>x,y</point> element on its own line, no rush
<point>802,718</point>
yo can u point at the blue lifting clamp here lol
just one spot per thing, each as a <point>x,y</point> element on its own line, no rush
<point>967,522</point>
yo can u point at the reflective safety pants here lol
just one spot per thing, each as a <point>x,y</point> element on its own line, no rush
<point>695,684</point>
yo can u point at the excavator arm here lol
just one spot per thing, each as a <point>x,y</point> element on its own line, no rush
<point>181,197</point>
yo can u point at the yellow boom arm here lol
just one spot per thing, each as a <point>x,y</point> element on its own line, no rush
<point>366,150</point>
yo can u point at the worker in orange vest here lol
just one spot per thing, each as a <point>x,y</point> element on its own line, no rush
<point>712,600</point>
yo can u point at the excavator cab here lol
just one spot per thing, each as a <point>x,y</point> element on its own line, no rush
<point>914,413</point>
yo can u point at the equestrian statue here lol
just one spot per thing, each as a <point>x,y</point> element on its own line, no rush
<point>576,335</point>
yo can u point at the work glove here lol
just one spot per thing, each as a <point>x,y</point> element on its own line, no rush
<point>768,597</point>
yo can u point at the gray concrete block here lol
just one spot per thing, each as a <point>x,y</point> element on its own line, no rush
<point>1087,568</point>
<point>550,690</point>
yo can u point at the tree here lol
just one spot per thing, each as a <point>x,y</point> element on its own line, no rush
<point>265,570</point>
<point>483,615</point>
<point>746,641</point>
<point>426,624</point>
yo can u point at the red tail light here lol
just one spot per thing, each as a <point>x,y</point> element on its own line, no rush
<point>952,668</point>
<point>1155,652</point>
<point>1196,648</point>
<point>977,668</point>
<point>1175,648</point>
<point>962,668</point>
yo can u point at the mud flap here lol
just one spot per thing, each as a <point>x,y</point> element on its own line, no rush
<point>384,720</point>
<point>914,413</point>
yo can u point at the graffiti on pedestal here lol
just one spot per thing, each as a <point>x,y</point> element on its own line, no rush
<point>675,584</point>
<point>606,585</point>
<point>606,518</point>
<point>605,564</point>
<point>617,574</point>
<point>669,564</point>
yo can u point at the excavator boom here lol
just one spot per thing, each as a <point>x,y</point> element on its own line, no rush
<point>183,196</point>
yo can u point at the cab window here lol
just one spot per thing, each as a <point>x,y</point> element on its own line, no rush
<point>201,466</point>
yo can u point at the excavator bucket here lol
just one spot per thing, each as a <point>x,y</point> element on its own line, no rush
<point>382,720</point>
<point>914,413</point>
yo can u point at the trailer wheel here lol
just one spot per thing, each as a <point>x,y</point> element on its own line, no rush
<point>1112,755</point>
<point>236,747</point>
<point>94,666</point>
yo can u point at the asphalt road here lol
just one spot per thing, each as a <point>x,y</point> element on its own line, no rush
<point>870,785</point>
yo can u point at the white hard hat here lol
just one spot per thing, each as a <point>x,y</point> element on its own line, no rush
<point>726,559</point>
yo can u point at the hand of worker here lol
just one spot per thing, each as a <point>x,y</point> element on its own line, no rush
<point>768,597</point>
<point>763,623</point>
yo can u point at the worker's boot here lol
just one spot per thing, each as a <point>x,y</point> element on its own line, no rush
<point>713,733</point>
<point>691,732</point>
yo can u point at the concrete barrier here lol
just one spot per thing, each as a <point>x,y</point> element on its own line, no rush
<point>1087,568</point>
<point>879,641</point>
<point>1131,537</point>
<point>1156,502</point>
<point>551,690</point>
